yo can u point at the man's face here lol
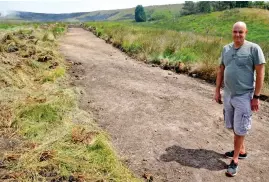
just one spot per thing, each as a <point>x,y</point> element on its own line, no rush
<point>239,34</point>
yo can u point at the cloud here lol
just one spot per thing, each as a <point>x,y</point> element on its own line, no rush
<point>4,13</point>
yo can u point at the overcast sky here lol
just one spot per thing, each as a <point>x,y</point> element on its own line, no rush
<point>68,6</point>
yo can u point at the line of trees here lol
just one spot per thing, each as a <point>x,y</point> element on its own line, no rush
<point>191,7</point>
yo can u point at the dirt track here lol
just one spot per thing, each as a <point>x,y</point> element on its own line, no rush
<point>161,122</point>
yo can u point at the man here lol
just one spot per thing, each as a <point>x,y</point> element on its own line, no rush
<point>242,69</point>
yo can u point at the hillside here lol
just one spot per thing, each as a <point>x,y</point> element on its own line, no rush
<point>219,23</point>
<point>103,15</point>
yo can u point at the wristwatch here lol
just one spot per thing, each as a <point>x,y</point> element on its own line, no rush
<point>256,96</point>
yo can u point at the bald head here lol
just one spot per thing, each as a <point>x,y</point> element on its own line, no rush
<point>239,33</point>
<point>240,24</point>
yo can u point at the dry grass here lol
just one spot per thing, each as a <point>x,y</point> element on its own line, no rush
<point>252,14</point>
<point>51,138</point>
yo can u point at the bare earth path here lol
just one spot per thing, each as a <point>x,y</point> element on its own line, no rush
<point>160,122</point>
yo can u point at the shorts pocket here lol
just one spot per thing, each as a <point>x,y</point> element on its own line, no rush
<point>245,123</point>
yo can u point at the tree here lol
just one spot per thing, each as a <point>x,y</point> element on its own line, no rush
<point>232,4</point>
<point>259,4</point>
<point>204,6</point>
<point>188,8</point>
<point>221,5</point>
<point>266,6</point>
<point>241,4</point>
<point>140,15</point>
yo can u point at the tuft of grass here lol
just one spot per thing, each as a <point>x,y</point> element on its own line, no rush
<point>132,48</point>
<point>48,36</point>
<point>51,76</point>
<point>36,120</point>
<point>59,30</point>
<point>186,55</point>
<point>40,113</point>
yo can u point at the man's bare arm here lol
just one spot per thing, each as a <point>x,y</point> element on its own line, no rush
<point>259,78</point>
<point>219,81</point>
<point>255,104</point>
<point>220,76</point>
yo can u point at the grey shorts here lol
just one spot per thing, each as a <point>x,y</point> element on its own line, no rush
<point>237,113</point>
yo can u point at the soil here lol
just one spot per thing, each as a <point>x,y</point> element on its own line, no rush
<point>161,123</point>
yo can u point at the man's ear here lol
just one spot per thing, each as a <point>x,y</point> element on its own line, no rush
<point>246,31</point>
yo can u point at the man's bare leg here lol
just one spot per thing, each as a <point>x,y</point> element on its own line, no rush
<point>243,148</point>
<point>238,145</point>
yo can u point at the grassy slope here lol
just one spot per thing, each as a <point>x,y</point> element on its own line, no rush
<point>122,13</point>
<point>44,135</point>
<point>194,40</point>
<point>220,23</point>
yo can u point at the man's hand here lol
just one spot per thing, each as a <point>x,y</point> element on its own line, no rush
<point>255,103</point>
<point>218,97</point>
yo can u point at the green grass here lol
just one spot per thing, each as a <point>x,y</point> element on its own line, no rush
<point>220,23</point>
<point>51,76</point>
<point>7,26</point>
<point>12,24</point>
<point>35,121</point>
<point>150,42</point>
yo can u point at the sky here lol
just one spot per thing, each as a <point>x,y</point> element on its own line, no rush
<point>68,6</point>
